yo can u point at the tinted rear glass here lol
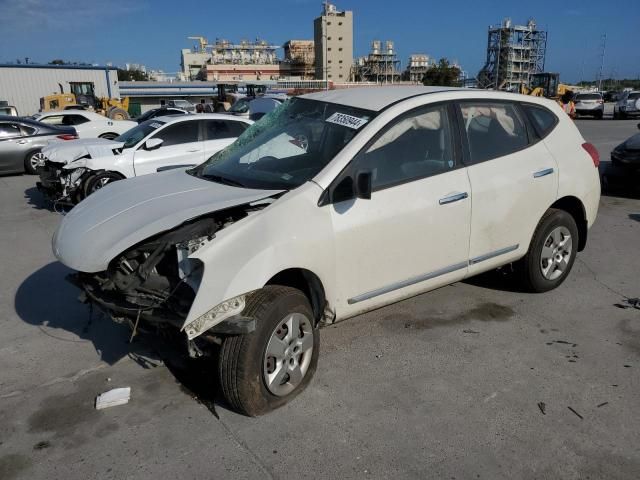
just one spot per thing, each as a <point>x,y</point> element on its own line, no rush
<point>634,96</point>
<point>543,120</point>
<point>589,96</point>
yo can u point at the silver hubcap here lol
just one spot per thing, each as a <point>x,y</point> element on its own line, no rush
<point>288,354</point>
<point>37,158</point>
<point>556,253</point>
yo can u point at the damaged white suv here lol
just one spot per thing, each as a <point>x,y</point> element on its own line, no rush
<point>332,205</point>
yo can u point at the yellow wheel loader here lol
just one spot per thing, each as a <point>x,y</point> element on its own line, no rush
<point>82,96</point>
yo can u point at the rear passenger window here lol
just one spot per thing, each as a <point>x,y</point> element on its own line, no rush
<point>418,145</point>
<point>542,119</point>
<point>9,130</point>
<point>178,133</point>
<point>493,130</point>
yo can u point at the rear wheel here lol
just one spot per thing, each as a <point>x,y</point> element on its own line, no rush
<point>98,181</point>
<point>552,252</point>
<point>599,115</point>
<point>32,160</point>
<point>265,369</point>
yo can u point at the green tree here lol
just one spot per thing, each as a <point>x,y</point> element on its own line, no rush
<point>132,75</point>
<point>57,61</point>
<point>442,74</point>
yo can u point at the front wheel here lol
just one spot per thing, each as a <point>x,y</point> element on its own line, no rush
<point>552,252</point>
<point>265,369</point>
<point>98,181</point>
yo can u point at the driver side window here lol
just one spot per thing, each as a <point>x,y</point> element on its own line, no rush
<point>179,133</point>
<point>417,145</point>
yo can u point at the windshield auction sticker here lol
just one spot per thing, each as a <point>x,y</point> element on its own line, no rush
<point>347,120</point>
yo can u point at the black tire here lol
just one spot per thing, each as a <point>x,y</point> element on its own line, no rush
<point>99,180</point>
<point>531,265</point>
<point>616,115</point>
<point>109,136</point>
<point>115,113</point>
<point>242,357</point>
<point>30,162</point>
<point>599,115</point>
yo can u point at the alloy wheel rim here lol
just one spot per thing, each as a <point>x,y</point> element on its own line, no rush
<point>556,253</point>
<point>288,354</point>
<point>36,158</point>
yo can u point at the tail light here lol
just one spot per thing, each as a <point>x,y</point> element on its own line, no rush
<point>67,136</point>
<point>593,151</point>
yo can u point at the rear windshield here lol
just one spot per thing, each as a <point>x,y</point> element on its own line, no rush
<point>589,96</point>
<point>634,96</point>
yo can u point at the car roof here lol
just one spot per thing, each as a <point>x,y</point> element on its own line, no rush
<point>72,111</point>
<point>373,98</point>
<point>197,116</point>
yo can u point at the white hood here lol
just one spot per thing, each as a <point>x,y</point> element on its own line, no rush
<point>127,212</point>
<point>67,152</point>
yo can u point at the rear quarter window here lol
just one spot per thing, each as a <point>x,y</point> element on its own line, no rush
<point>542,119</point>
<point>634,96</point>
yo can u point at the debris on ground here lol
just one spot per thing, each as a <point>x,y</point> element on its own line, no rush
<point>113,398</point>
<point>469,331</point>
<point>602,404</point>
<point>576,413</point>
<point>629,303</point>
<point>543,407</point>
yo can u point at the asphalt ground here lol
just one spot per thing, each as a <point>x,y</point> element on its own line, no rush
<point>448,384</point>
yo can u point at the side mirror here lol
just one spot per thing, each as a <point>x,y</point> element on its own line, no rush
<point>363,184</point>
<point>153,144</point>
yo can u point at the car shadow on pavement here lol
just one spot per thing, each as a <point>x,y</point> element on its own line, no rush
<point>619,182</point>
<point>503,279</point>
<point>36,199</point>
<point>46,300</point>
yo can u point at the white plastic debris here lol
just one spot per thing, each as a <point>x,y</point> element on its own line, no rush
<point>113,398</point>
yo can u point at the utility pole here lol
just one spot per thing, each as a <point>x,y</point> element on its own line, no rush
<point>325,41</point>
<point>603,45</point>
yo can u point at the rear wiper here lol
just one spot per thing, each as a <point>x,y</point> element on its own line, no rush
<point>223,180</point>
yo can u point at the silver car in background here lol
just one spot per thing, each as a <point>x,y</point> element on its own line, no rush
<point>628,105</point>
<point>22,141</point>
<point>591,104</point>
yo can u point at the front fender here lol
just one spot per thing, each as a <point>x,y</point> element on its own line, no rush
<point>122,164</point>
<point>292,233</point>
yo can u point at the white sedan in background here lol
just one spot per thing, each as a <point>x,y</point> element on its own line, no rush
<point>81,167</point>
<point>87,124</point>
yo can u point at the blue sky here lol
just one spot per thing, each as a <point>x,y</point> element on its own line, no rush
<point>152,32</point>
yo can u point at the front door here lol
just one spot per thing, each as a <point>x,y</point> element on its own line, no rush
<point>181,146</point>
<point>219,134</point>
<point>13,147</point>
<point>413,234</point>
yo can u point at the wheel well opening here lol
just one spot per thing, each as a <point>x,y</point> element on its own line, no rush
<point>308,283</point>
<point>575,208</point>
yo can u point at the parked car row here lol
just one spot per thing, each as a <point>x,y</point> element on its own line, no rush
<point>70,172</point>
<point>337,203</point>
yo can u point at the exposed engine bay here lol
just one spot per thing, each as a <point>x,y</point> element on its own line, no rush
<point>62,185</point>
<point>156,281</point>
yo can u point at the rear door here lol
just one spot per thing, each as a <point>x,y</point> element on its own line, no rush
<point>181,146</point>
<point>218,134</point>
<point>514,179</point>
<point>12,147</point>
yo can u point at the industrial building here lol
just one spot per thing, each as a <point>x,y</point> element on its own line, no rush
<point>23,85</point>
<point>417,66</point>
<point>333,36</point>
<point>380,66</point>
<point>300,55</point>
<point>514,53</point>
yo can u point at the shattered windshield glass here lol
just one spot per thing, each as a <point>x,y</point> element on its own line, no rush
<point>287,147</point>
<point>132,137</point>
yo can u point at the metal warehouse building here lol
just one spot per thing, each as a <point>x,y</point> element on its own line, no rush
<point>23,85</point>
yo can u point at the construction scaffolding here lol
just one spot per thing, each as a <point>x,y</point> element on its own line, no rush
<point>417,67</point>
<point>300,55</point>
<point>514,54</point>
<point>380,66</point>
